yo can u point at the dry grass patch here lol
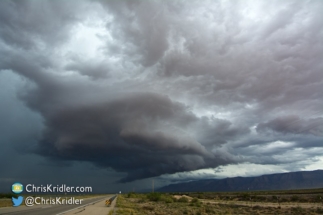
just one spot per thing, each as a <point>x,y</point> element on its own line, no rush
<point>5,203</point>
<point>159,204</point>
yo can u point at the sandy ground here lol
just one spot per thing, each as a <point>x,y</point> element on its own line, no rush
<point>179,196</point>
<point>98,208</point>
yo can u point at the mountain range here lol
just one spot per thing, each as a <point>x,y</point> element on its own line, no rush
<point>279,181</point>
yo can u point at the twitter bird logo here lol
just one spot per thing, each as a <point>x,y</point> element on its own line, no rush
<point>17,201</point>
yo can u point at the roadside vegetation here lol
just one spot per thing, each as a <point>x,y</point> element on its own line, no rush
<point>5,199</point>
<point>305,196</point>
<point>220,203</point>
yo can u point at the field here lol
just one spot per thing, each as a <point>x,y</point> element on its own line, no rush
<point>262,202</point>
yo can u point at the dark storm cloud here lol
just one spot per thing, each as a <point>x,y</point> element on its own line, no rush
<point>139,133</point>
<point>294,124</point>
<point>172,86</point>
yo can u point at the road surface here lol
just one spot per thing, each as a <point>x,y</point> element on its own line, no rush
<point>58,209</point>
<point>96,209</point>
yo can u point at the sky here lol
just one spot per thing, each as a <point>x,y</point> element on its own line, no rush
<point>115,94</point>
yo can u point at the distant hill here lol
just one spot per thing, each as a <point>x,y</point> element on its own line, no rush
<point>280,181</point>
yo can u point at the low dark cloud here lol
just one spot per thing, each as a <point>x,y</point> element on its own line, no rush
<point>154,88</point>
<point>141,134</point>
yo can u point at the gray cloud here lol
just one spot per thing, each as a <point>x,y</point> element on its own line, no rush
<point>28,24</point>
<point>153,88</point>
<point>140,134</point>
<point>294,124</point>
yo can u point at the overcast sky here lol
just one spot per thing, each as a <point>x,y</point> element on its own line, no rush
<point>114,93</point>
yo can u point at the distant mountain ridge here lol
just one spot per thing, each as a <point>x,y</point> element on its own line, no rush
<point>279,181</point>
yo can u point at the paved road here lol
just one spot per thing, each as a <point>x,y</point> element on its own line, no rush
<point>49,209</point>
<point>95,209</point>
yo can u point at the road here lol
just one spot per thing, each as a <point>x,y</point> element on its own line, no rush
<point>96,209</point>
<point>57,209</point>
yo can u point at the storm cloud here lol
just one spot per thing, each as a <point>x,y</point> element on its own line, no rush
<point>294,124</point>
<point>150,88</point>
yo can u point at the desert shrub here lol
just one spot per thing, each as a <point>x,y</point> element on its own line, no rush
<point>284,200</point>
<point>294,198</point>
<point>232,205</point>
<point>274,198</point>
<point>201,195</point>
<point>148,208</point>
<point>195,200</point>
<point>131,195</point>
<point>125,211</point>
<point>183,199</point>
<point>196,204</point>
<point>142,200</point>
<point>298,210</point>
<point>154,197</point>
<point>227,198</point>
<point>244,196</point>
<point>209,210</point>
<point>319,210</point>
<point>167,199</point>
<point>260,198</point>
